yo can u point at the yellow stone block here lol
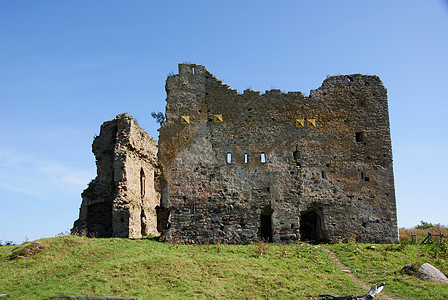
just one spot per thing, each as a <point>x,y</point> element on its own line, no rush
<point>217,119</point>
<point>185,119</point>
<point>311,122</point>
<point>300,123</point>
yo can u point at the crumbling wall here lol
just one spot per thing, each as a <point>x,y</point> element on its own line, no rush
<point>280,166</point>
<point>121,201</point>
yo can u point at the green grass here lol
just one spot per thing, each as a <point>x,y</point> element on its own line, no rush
<point>147,269</point>
<point>383,263</point>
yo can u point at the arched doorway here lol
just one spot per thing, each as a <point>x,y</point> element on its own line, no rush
<point>311,227</point>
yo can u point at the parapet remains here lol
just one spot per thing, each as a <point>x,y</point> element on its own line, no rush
<point>238,167</point>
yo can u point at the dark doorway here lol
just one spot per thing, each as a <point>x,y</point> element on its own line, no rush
<point>311,227</point>
<point>265,231</point>
<point>99,219</point>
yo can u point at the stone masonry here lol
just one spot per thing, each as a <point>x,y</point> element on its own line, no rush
<point>121,200</point>
<point>238,167</point>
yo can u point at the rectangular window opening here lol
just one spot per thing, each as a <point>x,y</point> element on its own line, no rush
<point>192,70</point>
<point>245,158</point>
<point>359,136</point>
<point>362,175</point>
<point>263,157</point>
<point>229,157</point>
<point>324,176</point>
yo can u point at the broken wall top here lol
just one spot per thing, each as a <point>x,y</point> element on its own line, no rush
<point>350,103</point>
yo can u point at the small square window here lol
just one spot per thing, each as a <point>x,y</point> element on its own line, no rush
<point>359,136</point>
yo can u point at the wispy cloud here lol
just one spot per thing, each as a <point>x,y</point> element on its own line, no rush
<point>79,178</point>
<point>31,175</point>
<point>20,190</point>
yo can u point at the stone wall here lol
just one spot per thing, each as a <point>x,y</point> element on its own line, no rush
<point>280,166</point>
<point>121,201</point>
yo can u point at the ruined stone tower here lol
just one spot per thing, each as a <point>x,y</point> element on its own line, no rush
<point>279,166</point>
<point>121,200</point>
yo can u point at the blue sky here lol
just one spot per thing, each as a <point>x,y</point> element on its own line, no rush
<point>68,66</point>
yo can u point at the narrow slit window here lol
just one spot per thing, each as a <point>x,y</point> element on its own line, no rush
<point>192,70</point>
<point>229,157</point>
<point>142,183</point>
<point>362,175</point>
<point>245,158</point>
<point>324,176</point>
<point>263,157</point>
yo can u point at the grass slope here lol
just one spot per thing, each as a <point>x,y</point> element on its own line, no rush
<point>147,269</point>
<point>383,263</point>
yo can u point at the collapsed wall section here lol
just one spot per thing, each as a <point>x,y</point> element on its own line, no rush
<point>278,166</point>
<point>121,201</point>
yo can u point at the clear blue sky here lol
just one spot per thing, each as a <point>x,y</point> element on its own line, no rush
<point>68,66</point>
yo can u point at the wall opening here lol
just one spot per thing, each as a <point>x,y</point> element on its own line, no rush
<point>144,223</point>
<point>142,183</point>
<point>163,218</point>
<point>296,155</point>
<point>229,157</point>
<point>245,158</point>
<point>265,231</point>
<point>359,136</point>
<point>99,219</point>
<point>311,227</point>
<point>263,157</point>
<point>143,220</point>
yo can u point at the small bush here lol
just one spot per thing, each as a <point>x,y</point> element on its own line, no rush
<point>424,225</point>
<point>159,117</point>
<point>7,243</point>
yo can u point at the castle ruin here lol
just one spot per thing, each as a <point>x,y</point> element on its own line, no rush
<point>236,167</point>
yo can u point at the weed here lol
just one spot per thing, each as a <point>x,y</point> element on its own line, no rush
<point>283,250</point>
<point>218,243</point>
<point>261,247</point>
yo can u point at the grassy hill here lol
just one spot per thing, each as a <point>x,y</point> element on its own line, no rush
<point>147,269</point>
